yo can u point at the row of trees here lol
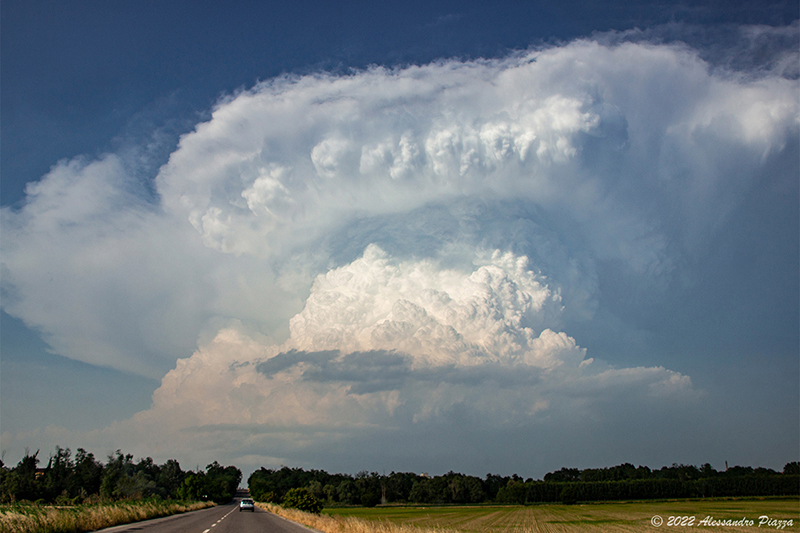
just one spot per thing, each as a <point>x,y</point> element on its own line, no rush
<point>645,489</point>
<point>680,472</point>
<point>69,480</point>
<point>566,485</point>
<point>363,489</point>
<point>370,489</point>
<point>626,482</point>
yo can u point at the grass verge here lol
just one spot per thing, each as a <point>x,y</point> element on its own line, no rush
<point>83,518</point>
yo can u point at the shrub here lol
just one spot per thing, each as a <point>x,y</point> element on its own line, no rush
<point>303,500</point>
<point>266,496</point>
<point>370,499</point>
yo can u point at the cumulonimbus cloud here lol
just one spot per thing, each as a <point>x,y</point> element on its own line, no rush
<point>378,249</point>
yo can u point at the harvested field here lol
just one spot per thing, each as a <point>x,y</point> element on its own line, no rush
<point>611,517</point>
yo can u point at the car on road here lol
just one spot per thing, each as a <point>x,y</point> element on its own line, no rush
<point>247,505</point>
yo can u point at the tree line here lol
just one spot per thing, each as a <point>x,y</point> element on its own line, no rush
<point>68,479</point>
<point>81,478</point>
<point>568,485</point>
<point>626,482</point>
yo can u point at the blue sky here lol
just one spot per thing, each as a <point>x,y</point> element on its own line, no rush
<point>297,234</point>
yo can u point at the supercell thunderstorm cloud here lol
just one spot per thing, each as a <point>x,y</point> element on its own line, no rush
<point>389,267</point>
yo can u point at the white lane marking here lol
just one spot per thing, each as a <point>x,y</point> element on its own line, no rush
<point>220,520</point>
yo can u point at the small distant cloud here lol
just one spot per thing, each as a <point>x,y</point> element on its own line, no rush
<point>450,18</point>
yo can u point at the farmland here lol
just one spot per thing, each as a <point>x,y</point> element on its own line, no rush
<point>631,516</point>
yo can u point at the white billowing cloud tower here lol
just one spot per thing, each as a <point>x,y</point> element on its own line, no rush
<point>500,312</point>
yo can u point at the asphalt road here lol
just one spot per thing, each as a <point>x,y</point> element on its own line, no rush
<point>220,519</point>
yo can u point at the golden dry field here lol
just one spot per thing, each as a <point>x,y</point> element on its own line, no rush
<point>707,515</point>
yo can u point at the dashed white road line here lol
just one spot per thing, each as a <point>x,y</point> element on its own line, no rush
<point>218,521</point>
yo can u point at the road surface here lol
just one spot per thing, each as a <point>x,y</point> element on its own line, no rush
<point>220,519</point>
